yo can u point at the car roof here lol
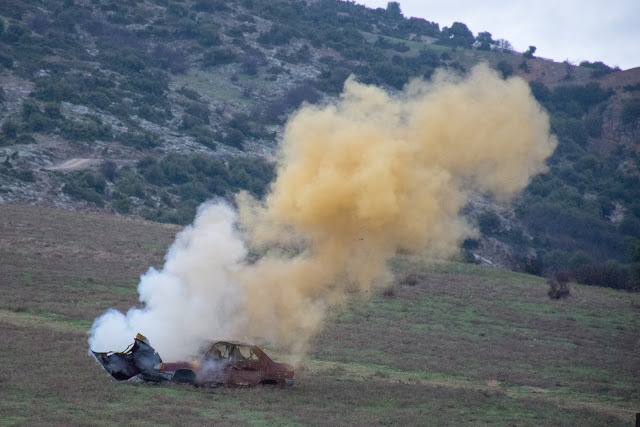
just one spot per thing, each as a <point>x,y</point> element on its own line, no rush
<point>233,342</point>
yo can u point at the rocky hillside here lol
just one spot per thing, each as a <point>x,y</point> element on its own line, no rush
<point>148,108</point>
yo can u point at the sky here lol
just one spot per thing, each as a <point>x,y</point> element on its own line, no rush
<point>573,30</point>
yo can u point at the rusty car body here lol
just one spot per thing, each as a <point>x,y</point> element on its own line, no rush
<point>220,363</point>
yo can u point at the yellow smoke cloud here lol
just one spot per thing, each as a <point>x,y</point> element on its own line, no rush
<point>375,173</point>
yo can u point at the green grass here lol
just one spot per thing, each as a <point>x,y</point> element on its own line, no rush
<point>213,85</point>
<point>414,46</point>
<point>465,345</point>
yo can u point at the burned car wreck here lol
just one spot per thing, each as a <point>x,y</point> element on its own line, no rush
<point>220,363</point>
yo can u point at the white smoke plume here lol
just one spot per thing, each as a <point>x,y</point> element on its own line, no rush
<point>356,181</point>
<point>193,298</point>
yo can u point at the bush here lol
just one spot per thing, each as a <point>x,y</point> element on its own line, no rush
<point>153,115</point>
<point>576,99</point>
<point>189,93</point>
<point>171,59</point>
<point>10,129</point>
<point>218,56</point>
<point>86,131</point>
<point>277,35</point>
<point>130,184</point>
<point>124,60</point>
<point>411,279</point>
<point>332,80</point>
<point>505,68</point>
<point>108,168</point>
<point>234,138</point>
<point>176,169</point>
<point>139,140</point>
<point>86,185</point>
<point>122,206</point>
<point>540,91</point>
<point>253,175</point>
<point>531,265</point>
<point>489,223</point>
<point>600,69</point>
<point>200,111</point>
<point>610,274</point>
<point>5,60</point>
<point>630,111</point>
<point>211,6</point>
<point>7,170</point>
<point>25,139</point>
<point>558,287</point>
<point>203,135</point>
<point>208,35</point>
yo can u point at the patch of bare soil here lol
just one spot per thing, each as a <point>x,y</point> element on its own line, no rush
<point>74,164</point>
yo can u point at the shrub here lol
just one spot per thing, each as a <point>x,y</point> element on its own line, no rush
<point>234,138</point>
<point>139,140</point>
<point>505,68</point>
<point>153,115</point>
<point>332,80</point>
<point>277,35</point>
<point>576,99</point>
<point>211,6</point>
<point>171,59</point>
<point>200,111</point>
<point>176,169</point>
<point>610,274</point>
<point>5,60</point>
<point>249,65</point>
<point>122,206</point>
<point>203,135</point>
<point>208,35</point>
<point>630,111</point>
<point>189,93</point>
<point>25,139</point>
<point>87,131</point>
<point>218,56</point>
<point>108,168</point>
<point>86,185</point>
<point>599,68</point>
<point>470,244</point>
<point>130,184</point>
<point>411,279</point>
<point>489,223</point>
<point>540,91</point>
<point>253,175</point>
<point>304,92</point>
<point>124,60</point>
<point>10,129</point>
<point>531,265</point>
<point>558,287</point>
<point>25,176</point>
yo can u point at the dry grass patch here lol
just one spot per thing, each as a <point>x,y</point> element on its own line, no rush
<point>431,353</point>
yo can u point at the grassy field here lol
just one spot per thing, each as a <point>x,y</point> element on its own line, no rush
<point>456,344</point>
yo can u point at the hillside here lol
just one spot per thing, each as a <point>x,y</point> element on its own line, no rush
<point>148,108</point>
<point>450,343</point>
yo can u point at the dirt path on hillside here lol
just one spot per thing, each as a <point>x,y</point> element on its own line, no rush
<point>73,164</point>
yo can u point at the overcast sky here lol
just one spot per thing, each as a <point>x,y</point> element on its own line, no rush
<point>574,30</point>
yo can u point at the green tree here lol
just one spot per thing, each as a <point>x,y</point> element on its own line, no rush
<point>505,68</point>
<point>485,40</point>
<point>458,35</point>
<point>10,129</point>
<point>489,223</point>
<point>529,53</point>
<point>393,11</point>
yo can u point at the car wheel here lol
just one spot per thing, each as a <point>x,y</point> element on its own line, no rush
<point>184,376</point>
